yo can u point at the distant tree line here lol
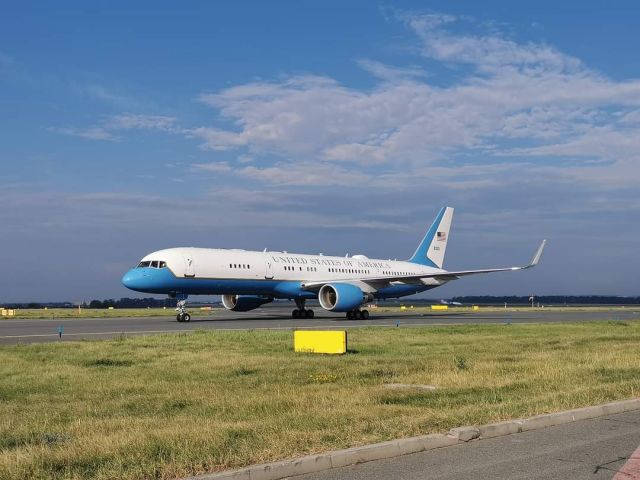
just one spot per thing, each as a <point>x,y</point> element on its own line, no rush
<point>122,303</point>
<point>551,300</point>
<point>132,303</point>
<point>467,300</point>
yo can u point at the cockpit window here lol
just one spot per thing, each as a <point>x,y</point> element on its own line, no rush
<point>152,264</point>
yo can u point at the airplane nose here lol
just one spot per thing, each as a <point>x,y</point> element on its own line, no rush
<point>127,279</point>
<point>132,279</point>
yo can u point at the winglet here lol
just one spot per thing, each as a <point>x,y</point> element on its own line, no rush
<point>536,257</point>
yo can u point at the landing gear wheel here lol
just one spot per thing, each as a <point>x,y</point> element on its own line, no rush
<point>181,308</point>
<point>295,313</point>
<point>365,314</point>
<point>309,313</point>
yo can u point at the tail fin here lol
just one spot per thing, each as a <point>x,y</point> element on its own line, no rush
<point>431,250</point>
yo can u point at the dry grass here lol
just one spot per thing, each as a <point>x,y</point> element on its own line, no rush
<point>174,405</point>
<point>41,313</point>
<point>413,309</point>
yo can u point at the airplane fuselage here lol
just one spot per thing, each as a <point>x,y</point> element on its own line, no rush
<point>204,271</point>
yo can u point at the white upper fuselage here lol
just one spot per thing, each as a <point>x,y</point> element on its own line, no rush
<point>209,263</point>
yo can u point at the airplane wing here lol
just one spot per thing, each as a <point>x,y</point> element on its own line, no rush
<point>442,275</point>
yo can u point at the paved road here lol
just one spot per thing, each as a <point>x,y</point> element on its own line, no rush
<point>590,449</point>
<point>271,317</point>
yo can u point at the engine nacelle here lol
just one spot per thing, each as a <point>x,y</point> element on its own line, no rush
<point>341,297</point>
<point>243,303</point>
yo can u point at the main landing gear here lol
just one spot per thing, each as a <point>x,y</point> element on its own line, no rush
<point>358,314</point>
<point>301,312</point>
<point>183,315</point>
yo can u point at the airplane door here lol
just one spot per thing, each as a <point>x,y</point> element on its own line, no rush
<point>189,270</point>
<point>269,270</point>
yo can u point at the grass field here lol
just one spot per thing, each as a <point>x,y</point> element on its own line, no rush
<point>521,308</point>
<point>173,405</point>
<point>40,313</point>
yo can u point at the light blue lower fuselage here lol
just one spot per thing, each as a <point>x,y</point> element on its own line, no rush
<point>163,281</point>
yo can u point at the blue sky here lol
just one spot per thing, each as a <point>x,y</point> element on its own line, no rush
<point>327,127</point>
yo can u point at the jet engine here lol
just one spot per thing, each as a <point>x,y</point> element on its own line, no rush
<point>341,297</point>
<point>243,303</point>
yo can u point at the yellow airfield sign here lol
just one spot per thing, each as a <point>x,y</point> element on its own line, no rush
<point>320,341</point>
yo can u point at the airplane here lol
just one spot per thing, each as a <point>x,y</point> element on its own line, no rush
<point>248,279</point>
<point>444,302</point>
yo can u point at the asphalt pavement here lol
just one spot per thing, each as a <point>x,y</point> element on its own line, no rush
<point>273,317</point>
<point>589,449</point>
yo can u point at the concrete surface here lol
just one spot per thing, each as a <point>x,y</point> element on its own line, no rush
<point>594,449</point>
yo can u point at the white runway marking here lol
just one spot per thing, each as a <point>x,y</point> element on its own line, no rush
<point>136,332</point>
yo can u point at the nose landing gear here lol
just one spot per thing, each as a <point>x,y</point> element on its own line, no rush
<point>301,312</point>
<point>181,308</point>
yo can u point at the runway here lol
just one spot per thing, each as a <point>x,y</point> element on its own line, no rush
<point>273,317</point>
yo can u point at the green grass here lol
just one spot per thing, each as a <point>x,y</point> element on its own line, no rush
<point>41,313</point>
<point>498,309</point>
<point>174,405</point>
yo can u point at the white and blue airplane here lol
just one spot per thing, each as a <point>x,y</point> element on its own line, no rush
<point>249,279</point>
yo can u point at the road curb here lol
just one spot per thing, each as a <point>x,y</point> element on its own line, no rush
<point>404,446</point>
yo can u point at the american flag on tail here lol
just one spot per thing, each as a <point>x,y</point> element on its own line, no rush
<point>441,236</point>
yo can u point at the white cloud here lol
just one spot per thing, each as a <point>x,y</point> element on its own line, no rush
<point>509,103</point>
<point>309,174</point>
<point>390,73</point>
<point>487,52</point>
<point>216,139</point>
<point>128,121</point>
<point>90,133</point>
<point>216,167</point>
<point>509,99</point>
<point>106,95</point>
